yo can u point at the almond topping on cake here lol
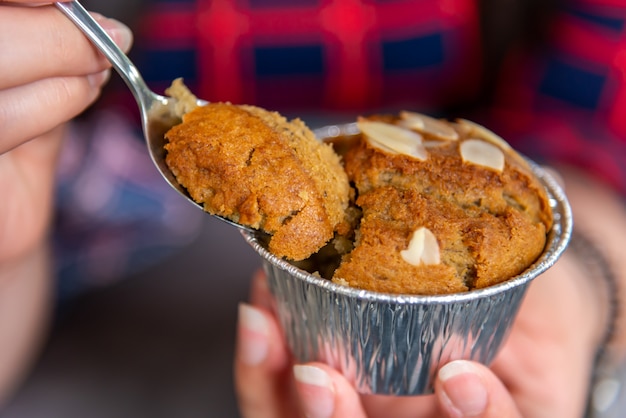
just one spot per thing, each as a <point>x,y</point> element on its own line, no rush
<point>428,125</point>
<point>479,152</point>
<point>479,131</point>
<point>393,139</point>
<point>423,248</point>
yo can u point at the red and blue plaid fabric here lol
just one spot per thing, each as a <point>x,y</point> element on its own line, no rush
<point>312,54</point>
<point>567,102</point>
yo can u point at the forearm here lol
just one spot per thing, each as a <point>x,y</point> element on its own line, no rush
<point>600,217</point>
<point>24,308</point>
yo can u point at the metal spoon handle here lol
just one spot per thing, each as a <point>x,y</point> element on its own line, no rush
<point>122,64</point>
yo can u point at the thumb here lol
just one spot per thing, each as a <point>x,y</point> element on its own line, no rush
<point>468,389</point>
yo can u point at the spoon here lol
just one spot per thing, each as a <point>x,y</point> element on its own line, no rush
<point>157,115</point>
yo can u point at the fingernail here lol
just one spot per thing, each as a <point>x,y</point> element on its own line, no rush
<point>119,32</point>
<point>98,79</point>
<point>316,391</point>
<point>253,344</point>
<point>463,389</point>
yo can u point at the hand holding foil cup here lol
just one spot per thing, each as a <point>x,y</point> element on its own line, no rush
<point>435,230</point>
<point>389,343</point>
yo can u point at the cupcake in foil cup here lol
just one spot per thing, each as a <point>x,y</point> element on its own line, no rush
<point>393,344</point>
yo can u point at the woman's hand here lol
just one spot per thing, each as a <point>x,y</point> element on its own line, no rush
<point>542,371</point>
<point>49,73</point>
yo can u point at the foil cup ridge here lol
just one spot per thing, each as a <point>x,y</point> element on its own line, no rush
<point>394,344</point>
<point>371,342</point>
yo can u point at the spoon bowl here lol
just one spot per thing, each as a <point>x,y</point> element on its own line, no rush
<point>157,111</point>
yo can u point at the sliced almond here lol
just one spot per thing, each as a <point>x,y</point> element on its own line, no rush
<point>479,152</point>
<point>428,125</point>
<point>412,120</point>
<point>434,144</point>
<point>423,248</point>
<point>480,131</point>
<point>393,139</point>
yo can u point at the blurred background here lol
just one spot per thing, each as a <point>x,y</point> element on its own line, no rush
<point>148,285</point>
<point>158,343</point>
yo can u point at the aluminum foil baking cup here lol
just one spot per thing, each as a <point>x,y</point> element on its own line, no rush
<point>394,344</point>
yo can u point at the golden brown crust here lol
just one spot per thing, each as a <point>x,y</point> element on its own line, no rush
<point>488,218</point>
<point>258,169</point>
<point>489,224</point>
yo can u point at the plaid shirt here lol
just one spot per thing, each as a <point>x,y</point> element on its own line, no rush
<point>299,55</point>
<point>568,102</point>
<point>563,102</point>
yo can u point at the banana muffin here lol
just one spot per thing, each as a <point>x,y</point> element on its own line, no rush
<point>415,205</point>
<point>255,168</point>
<point>446,207</point>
